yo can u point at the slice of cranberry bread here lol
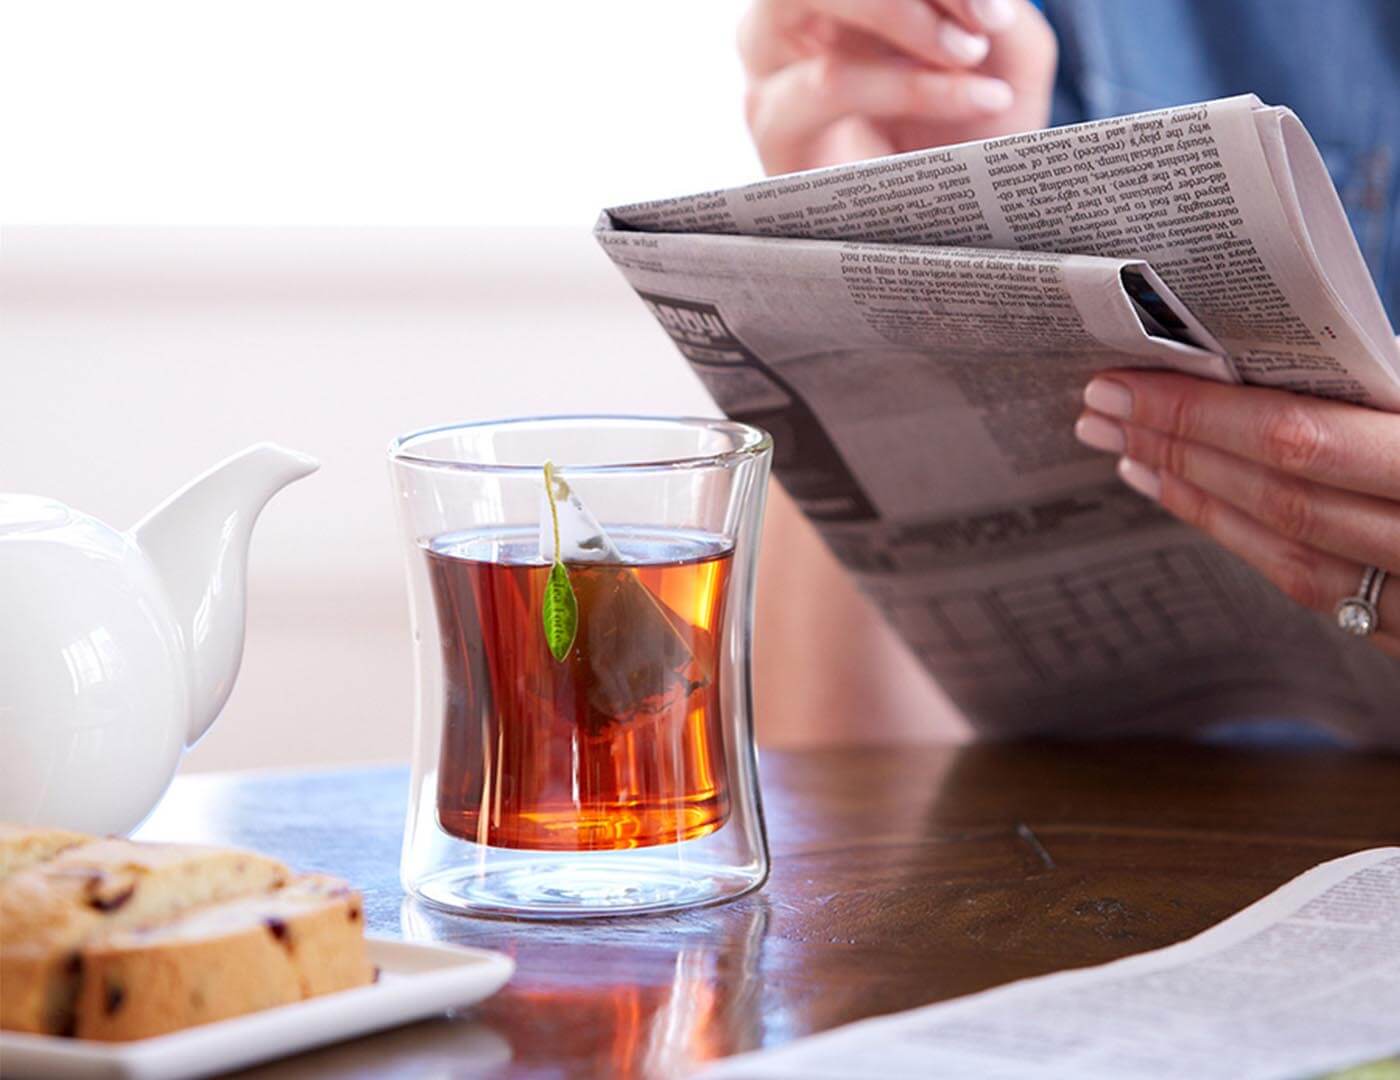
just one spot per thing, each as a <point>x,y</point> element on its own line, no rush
<point>49,911</point>
<point>22,846</point>
<point>224,960</point>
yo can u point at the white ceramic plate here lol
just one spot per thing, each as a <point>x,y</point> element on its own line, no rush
<point>416,981</point>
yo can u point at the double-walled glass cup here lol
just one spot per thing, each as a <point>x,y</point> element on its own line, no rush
<point>583,741</point>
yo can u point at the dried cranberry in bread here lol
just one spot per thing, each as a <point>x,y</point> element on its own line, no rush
<point>224,960</point>
<point>49,911</point>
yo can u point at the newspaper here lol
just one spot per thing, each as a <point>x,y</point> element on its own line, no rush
<point>916,332</point>
<point>1303,982</point>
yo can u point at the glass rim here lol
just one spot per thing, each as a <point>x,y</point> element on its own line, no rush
<point>752,441</point>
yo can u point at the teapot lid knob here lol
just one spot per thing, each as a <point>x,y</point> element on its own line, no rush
<point>30,513</point>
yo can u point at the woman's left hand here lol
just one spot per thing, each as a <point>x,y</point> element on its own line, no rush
<point>1306,490</point>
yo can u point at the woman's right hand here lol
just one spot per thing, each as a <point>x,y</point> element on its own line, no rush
<point>842,80</point>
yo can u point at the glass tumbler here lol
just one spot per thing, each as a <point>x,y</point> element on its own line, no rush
<point>583,741</point>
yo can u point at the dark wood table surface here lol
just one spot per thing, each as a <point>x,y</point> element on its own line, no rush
<point>900,877</point>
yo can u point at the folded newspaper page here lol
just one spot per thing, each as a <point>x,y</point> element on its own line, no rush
<point>1302,983</point>
<point>916,332</point>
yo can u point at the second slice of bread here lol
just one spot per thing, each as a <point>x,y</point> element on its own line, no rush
<point>224,960</point>
<point>49,911</point>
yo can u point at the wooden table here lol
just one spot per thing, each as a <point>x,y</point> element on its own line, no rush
<point>900,877</point>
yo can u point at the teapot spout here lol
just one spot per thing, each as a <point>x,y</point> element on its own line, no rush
<point>197,541</point>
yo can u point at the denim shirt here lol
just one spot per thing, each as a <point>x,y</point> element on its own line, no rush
<point>1336,63</point>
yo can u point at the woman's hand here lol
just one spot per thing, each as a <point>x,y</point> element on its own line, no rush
<point>1306,490</point>
<point>842,80</point>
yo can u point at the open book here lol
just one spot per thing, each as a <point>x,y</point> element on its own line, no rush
<point>916,332</point>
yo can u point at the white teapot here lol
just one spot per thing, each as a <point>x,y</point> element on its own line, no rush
<point>117,650</point>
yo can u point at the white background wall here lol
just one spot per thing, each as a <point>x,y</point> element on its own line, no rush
<point>132,357</point>
<point>346,112</point>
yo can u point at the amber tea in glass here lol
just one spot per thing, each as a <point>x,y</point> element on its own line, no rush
<point>581,591</point>
<point>618,745</point>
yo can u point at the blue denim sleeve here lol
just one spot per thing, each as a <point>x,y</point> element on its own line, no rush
<point>1066,106</point>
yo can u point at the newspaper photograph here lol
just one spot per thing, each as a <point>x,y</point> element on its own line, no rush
<point>916,333</point>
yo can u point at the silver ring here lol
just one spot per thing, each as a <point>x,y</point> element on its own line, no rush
<point>1360,614</point>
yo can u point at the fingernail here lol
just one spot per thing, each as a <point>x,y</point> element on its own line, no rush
<point>990,95</point>
<point>994,14</point>
<point>1109,397</point>
<point>1140,478</point>
<point>969,48</point>
<point>1100,434</point>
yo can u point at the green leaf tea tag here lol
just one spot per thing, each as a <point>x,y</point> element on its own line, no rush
<point>560,612</point>
<point>560,609</point>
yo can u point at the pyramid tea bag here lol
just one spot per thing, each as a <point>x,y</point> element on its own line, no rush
<point>581,537</point>
<point>632,653</point>
<point>634,648</point>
